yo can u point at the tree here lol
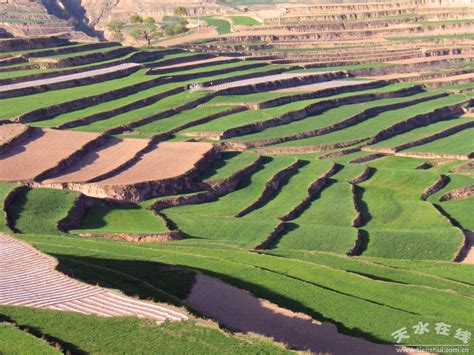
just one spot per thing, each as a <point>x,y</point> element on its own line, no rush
<point>143,29</point>
<point>136,19</point>
<point>149,20</point>
<point>116,28</point>
<point>180,11</point>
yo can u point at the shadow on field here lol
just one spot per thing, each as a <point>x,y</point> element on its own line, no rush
<point>64,346</point>
<point>173,284</point>
<point>362,205</point>
<point>148,280</point>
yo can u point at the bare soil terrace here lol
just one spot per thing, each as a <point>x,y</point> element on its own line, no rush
<point>43,149</point>
<point>110,156</point>
<point>167,161</point>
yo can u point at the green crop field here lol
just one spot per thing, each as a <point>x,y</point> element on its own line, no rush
<point>302,202</point>
<point>244,21</point>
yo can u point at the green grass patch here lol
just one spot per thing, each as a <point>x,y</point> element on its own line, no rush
<point>244,21</point>
<point>222,26</point>
<point>39,210</point>
<point>121,219</point>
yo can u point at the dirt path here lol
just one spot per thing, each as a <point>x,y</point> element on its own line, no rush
<point>64,78</point>
<point>28,278</point>
<point>243,312</point>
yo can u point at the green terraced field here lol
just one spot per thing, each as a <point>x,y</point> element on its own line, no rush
<point>106,219</point>
<point>369,256</point>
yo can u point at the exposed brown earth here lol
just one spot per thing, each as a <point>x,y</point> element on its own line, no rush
<point>167,161</point>
<point>468,254</point>
<point>96,163</point>
<point>135,238</point>
<point>43,149</point>
<point>11,134</point>
<point>241,311</point>
<point>459,193</point>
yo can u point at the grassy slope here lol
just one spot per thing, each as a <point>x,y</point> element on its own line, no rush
<point>104,219</point>
<point>39,210</point>
<point>4,191</point>
<point>244,21</point>
<point>458,143</point>
<point>320,291</point>
<point>222,26</point>
<point>126,335</point>
<point>332,116</point>
<point>16,341</point>
<point>326,224</point>
<point>399,224</point>
<point>216,220</point>
<point>372,126</point>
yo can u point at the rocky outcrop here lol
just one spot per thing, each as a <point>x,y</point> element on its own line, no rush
<point>271,187</point>
<point>441,182</point>
<point>313,190</point>
<point>459,193</point>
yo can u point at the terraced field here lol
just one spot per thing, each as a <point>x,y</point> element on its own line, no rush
<point>342,204</point>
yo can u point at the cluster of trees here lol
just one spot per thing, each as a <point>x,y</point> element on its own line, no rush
<point>145,28</point>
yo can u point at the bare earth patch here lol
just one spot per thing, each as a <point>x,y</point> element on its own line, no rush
<point>10,131</point>
<point>241,311</point>
<point>43,149</point>
<point>110,156</point>
<point>469,256</point>
<point>167,161</point>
